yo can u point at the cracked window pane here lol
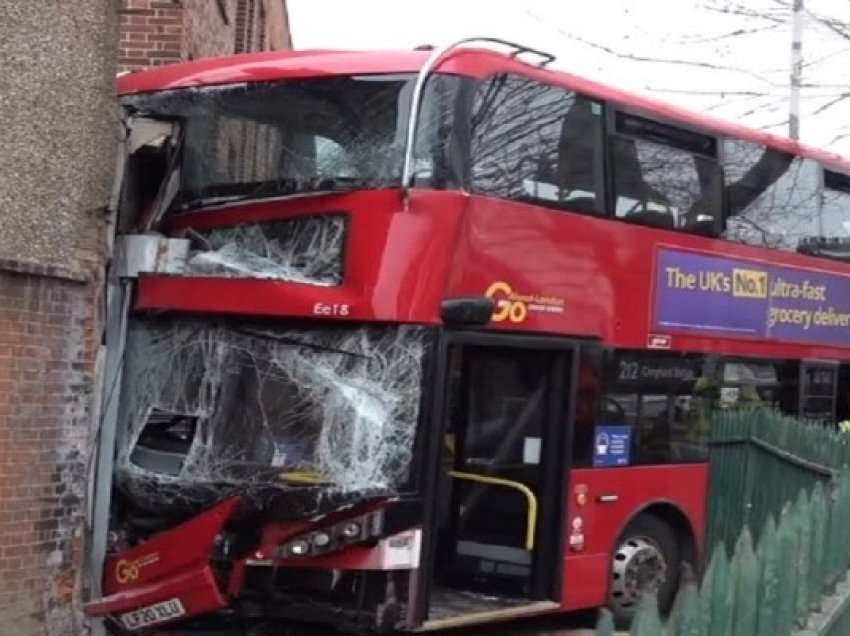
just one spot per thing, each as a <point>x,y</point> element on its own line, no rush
<point>210,408</point>
<point>302,250</point>
<point>278,138</point>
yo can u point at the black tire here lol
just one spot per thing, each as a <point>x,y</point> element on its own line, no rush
<point>635,567</point>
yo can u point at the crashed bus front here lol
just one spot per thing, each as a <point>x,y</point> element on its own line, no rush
<point>266,355</point>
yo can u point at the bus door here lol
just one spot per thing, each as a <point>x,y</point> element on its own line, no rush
<point>503,470</point>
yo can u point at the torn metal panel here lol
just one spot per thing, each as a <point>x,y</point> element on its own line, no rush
<point>150,253</point>
<point>211,409</point>
<point>302,249</point>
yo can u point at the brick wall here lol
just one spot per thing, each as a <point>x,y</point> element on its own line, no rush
<point>156,32</point>
<point>50,321</point>
<point>152,33</point>
<point>47,349</point>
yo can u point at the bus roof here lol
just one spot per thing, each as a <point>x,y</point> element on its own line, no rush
<point>278,65</point>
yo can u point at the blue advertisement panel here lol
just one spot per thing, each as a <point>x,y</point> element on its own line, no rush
<point>612,445</point>
<point>698,292</point>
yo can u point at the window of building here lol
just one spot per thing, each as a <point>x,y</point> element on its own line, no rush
<point>773,197</point>
<point>536,143</point>
<point>665,177</point>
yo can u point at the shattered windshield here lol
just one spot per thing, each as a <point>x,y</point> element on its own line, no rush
<point>226,406</point>
<point>304,135</point>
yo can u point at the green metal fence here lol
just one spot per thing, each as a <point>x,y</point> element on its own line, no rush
<point>789,477</point>
<point>760,460</point>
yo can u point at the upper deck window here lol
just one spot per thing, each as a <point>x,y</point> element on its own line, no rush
<point>665,176</point>
<point>773,197</point>
<point>835,213</point>
<point>280,138</point>
<point>536,143</point>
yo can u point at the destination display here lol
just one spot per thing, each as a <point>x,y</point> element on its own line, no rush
<point>698,292</point>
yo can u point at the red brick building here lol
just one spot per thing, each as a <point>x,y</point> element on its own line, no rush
<point>155,32</point>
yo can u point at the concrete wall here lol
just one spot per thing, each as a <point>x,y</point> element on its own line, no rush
<point>58,135</point>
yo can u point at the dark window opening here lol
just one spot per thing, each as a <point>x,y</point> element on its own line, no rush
<point>164,441</point>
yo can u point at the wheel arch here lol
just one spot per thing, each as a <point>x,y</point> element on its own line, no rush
<point>674,516</point>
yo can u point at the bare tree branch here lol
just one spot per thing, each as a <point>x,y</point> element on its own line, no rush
<point>830,104</point>
<point>741,10</point>
<point>642,58</point>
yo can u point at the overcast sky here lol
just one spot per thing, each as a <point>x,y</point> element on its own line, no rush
<point>699,55</point>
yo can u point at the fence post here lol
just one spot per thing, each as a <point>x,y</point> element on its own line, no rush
<point>716,596</point>
<point>787,538</point>
<point>819,547</point>
<point>801,516</point>
<point>687,618</point>
<point>745,575</point>
<point>647,621</point>
<point>605,625</point>
<point>768,594</point>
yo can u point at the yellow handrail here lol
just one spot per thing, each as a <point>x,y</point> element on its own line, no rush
<point>531,524</point>
<point>302,477</point>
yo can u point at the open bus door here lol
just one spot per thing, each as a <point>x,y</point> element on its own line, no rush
<point>497,537</point>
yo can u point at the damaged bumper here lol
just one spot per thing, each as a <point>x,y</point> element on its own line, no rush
<point>170,575</point>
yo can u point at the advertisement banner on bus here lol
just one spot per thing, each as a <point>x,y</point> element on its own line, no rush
<point>699,292</point>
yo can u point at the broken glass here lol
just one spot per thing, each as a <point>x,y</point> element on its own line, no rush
<point>210,409</point>
<point>302,250</point>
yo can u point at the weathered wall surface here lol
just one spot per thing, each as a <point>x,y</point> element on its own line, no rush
<point>57,114</point>
<point>278,33</point>
<point>210,28</point>
<point>58,135</point>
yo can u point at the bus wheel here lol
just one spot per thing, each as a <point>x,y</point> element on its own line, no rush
<point>646,560</point>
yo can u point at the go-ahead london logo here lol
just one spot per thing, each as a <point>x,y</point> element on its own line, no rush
<point>515,307</point>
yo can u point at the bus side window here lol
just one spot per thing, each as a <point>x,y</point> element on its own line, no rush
<point>835,212</point>
<point>536,143</point>
<point>665,176</point>
<point>773,197</point>
<point>665,399</point>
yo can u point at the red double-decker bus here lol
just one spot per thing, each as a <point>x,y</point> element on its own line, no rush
<point>414,340</point>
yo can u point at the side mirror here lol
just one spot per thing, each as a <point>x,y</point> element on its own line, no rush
<point>469,310</point>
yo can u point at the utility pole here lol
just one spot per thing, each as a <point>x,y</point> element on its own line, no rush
<point>796,69</point>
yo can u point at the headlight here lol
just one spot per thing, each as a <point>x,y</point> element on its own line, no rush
<point>350,530</point>
<point>321,539</point>
<point>336,537</point>
<point>298,548</point>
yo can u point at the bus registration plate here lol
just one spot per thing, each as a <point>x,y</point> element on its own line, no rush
<point>153,614</point>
